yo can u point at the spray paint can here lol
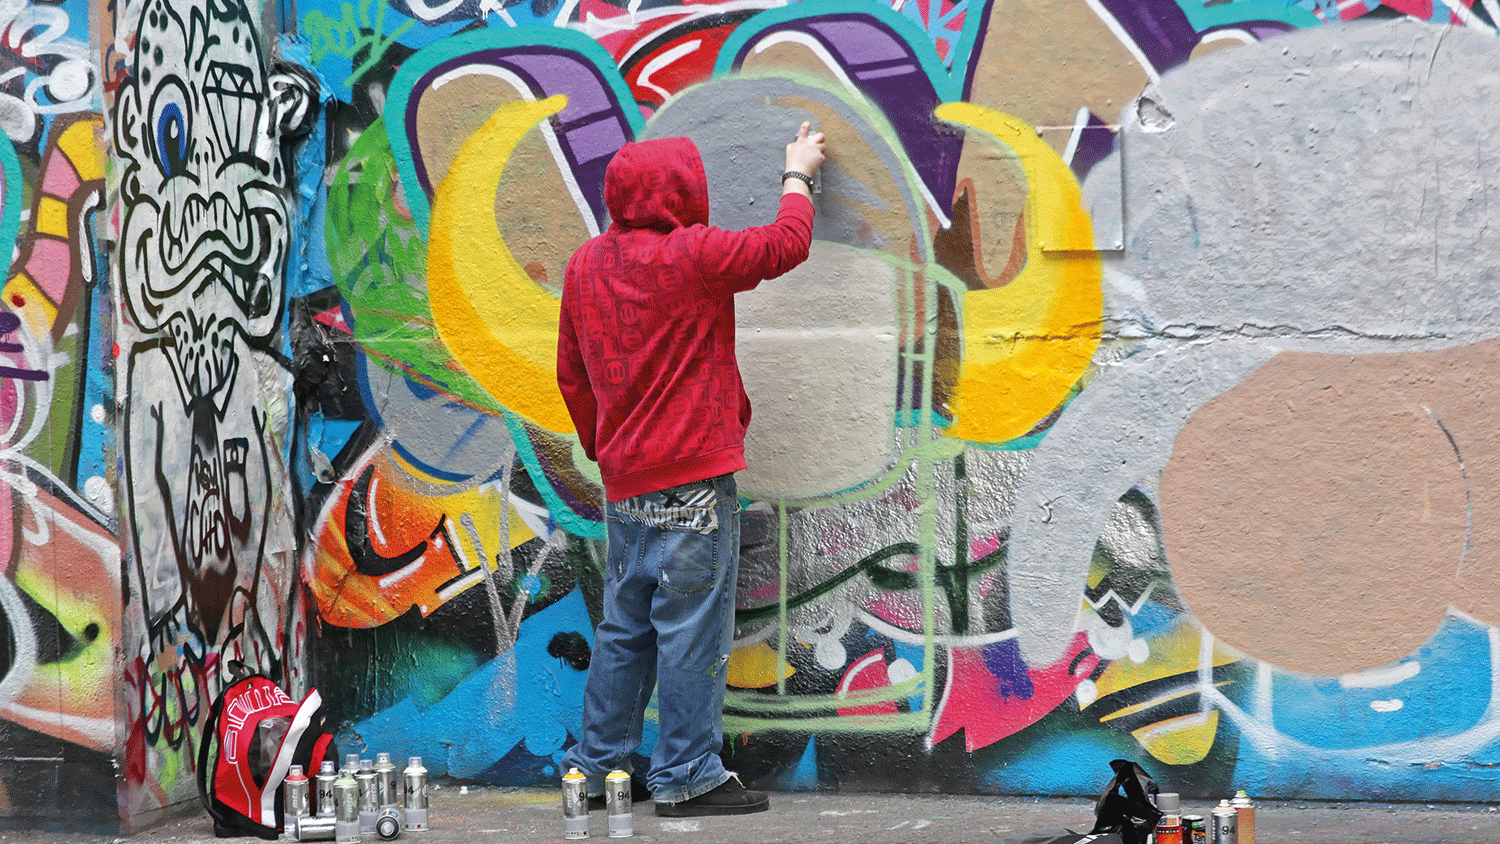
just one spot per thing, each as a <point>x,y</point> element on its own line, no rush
<point>1225,827</point>
<point>325,779</point>
<point>414,799</point>
<point>617,804</point>
<point>368,808</point>
<point>320,828</point>
<point>1169,825</point>
<point>296,795</point>
<point>346,802</point>
<point>1194,829</point>
<point>1244,811</point>
<point>388,824</point>
<point>386,785</point>
<point>575,805</point>
<point>351,763</point>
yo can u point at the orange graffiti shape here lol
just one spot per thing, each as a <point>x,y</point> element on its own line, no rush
<point>384,552</point>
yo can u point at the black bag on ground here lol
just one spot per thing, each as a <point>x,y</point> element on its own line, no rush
<point>1063,836</point>
<point>1128,805</point>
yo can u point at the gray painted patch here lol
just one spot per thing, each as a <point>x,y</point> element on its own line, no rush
<point>1333,187</point>
<point>741,127</point>
<point>1326,191</point>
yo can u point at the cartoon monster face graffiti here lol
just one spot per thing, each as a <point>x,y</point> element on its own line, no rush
<point>204,237</point>
<point>205,223</point>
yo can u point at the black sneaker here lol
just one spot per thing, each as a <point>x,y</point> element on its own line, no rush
<point>731,798</point>
<point>639,793</point>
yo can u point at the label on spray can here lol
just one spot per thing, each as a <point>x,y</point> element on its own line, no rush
<point>387,789</point>
<point>368,808</point>
<point>575,788</point>
<point>1244,811</point>
<point>296,795</point>
<point>1194,829</point>
<point>346,803</point>
<point>617,804</point>
<point>1169,825</point>
<point>414,795</point>
<point>326,777</point>
<point>320,828</point>
<point>1225,829</point>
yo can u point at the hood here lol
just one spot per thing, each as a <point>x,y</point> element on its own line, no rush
<point>657,184</point>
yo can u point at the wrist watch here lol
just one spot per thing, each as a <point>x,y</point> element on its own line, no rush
<point>793,174</point>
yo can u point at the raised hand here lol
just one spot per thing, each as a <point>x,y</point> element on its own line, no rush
<point>805,155</point>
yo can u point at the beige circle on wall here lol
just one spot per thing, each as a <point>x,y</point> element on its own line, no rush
<point>1315,516</point>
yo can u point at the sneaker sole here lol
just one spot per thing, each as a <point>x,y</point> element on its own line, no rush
<point>670,810</point>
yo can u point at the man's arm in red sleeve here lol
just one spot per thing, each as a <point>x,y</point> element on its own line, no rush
<point>734,261</point>
<point>573,382</point>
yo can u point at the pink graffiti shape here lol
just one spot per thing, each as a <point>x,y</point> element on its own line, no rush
<point>972,699</point>
<point>867,672</point>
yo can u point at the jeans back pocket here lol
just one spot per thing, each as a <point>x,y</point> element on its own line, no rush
<point>681,533</point>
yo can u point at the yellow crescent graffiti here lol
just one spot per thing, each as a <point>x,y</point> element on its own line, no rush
<point>1027,343</point>
<point>497,322</point>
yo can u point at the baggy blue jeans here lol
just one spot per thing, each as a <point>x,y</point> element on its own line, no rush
<point>668,622</point>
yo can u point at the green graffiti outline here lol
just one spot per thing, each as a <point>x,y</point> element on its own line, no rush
<point>379,265</point>
<point>420,204</point>
<point>561,513</point>
<point>344,37</point>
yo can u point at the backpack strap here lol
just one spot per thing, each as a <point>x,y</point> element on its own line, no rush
<point>316,744</point>
<point>227,823</point>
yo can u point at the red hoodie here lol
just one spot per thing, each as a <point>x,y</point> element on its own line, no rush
<point>645,347</point>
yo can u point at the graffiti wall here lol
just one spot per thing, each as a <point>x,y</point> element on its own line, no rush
<point>1131,403</point>
<point>59,551</point>
<point>205,221</point>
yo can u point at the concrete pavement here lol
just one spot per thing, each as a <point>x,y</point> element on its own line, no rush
<point>502,816</point>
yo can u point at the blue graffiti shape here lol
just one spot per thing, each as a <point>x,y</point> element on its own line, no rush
<point>1003,659</point>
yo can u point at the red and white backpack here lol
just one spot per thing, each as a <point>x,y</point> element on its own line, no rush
<point>253,734</point>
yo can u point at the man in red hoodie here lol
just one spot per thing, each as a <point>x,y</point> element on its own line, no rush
<point>647,368</point>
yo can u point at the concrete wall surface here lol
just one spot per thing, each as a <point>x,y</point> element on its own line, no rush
<point>1131,404</point>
